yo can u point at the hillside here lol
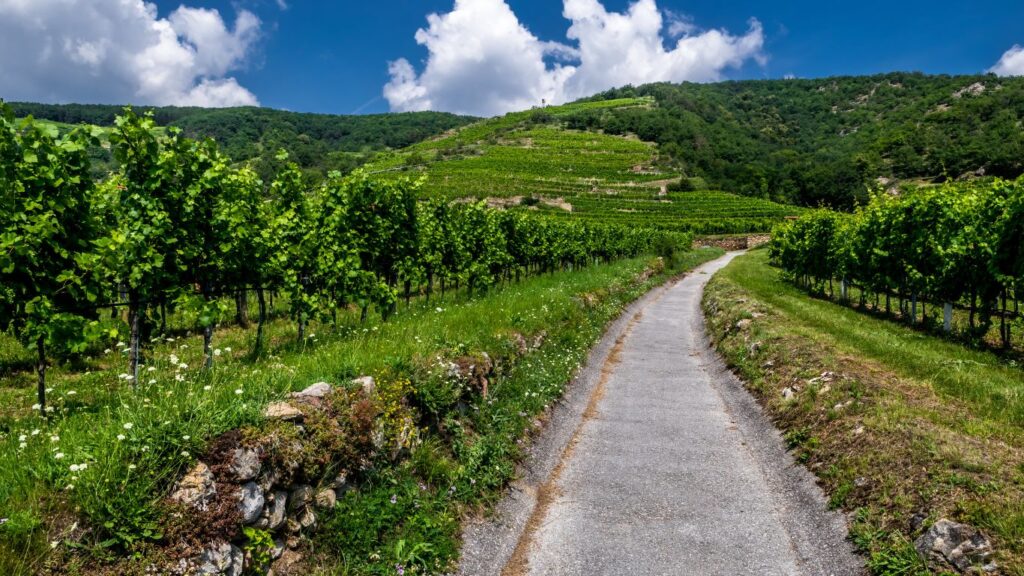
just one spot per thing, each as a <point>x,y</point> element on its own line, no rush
<point>319,143</point>
<point>825,141</point>
<point>532,161</point>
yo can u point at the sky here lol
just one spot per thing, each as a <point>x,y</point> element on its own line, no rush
<point>480,57</point>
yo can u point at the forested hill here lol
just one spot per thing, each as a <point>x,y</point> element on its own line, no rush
<point>318,142</point>
<point>825,141</point>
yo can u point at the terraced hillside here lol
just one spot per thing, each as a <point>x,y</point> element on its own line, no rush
<point>531,161</point>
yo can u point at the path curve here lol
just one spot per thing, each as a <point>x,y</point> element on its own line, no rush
<point>658,462</point>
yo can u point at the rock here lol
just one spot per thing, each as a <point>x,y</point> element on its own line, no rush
<point>307,518</point>
<point>245,464</point>
<point>520,343</point>
<point>326,499</point>
<point>277,510</point>
<point>744,324</point>
<point>278,549</point>
<point>288,563</point>
<point>949,545</point>
<point>825,389</point>
<point>755,348</point>
<point>367,383</point>
<point>196,488</point>
<point>539,339</point>
<point>293,527</point>
<point>318,391</point>
<point>858,430</point>
<point>300,497</point>
<point>788,393</point>
<point>340,483</point>
<point>250,503</point>
<point>282,411</point>
<point>860,482</point>
<point>221,558</point>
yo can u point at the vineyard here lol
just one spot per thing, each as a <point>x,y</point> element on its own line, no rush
<point>529,160</point>
<point>178,226</point>
<point>950,255</point>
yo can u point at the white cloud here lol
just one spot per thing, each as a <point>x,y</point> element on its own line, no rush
<point>1011,64</point>
<point>121,51</point>
<point>483,61</point>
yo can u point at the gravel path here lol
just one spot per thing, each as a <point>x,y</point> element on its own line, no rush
<point>658,462</point>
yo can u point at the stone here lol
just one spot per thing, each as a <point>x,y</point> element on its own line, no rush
<point>367,383</point>
<point>282,411</point>
<point>245,464</point>
<point>788,393</point>
<point>278,549</point>
<point>221,559</point>
<point>196,488</point>
<point>300,497</point>
<point>744,324</point>
<point>288,563</point>
<point>326,499</point>
<point>250,502</point>
<point>277,510</point>
<point>755,347</point>
<point>318,390</point>
<point>293,526</point>
<point>307,518</point>
<point>949,545</point>
<point>340,483</point>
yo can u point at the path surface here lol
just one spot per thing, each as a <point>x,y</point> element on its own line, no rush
<point>658,462</point>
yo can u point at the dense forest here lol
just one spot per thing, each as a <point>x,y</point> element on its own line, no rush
<point>826,141</point>
<point>318,143</point>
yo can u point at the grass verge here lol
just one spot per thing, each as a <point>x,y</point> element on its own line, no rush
<point>901,428</point>
<point>83,491</point>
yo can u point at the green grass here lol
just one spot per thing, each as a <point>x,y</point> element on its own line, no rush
<point>166,424</point>
<point>903,423</point>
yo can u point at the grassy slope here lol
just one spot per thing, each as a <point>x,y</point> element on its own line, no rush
<point>605,178</point>
<point>171,421</point>
<point>909,424</point>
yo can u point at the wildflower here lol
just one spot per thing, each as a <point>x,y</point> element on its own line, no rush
<point>174,360</point>
<point>120,344</point>
<point>394,498</point>
<point>36,406</point>
<point>22,438</point>
<point>107,351</point>
<point>399,569</point>
<point>207,388</point>
<point>238,391</point>
<point>185,453</point>
<point>216,352</point>
<point>71,393</point>
<point>132,466</point>
<point>73,468</point>
<point>22,446</point>
<point>69,487</point>
<point>152,381</point>
<point>54,438</point>
<point>151,369</point>
<point>58,456</point>
<point>49,409</point>
<point>186,437</point>
<point>128,425</point>
<point>120,436</point>
<point>36,432</point>
<point>179,378</point>
<point>227,349</point>
<point>439,309</point>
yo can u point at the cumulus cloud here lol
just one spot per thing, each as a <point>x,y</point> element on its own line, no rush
<point>1011,64</point>
<point>117,51</point>
<point>483,61</point>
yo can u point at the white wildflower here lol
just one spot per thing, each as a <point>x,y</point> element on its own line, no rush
<point>128,425</point>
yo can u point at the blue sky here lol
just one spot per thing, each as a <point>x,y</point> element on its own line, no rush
<point>334,56</point>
